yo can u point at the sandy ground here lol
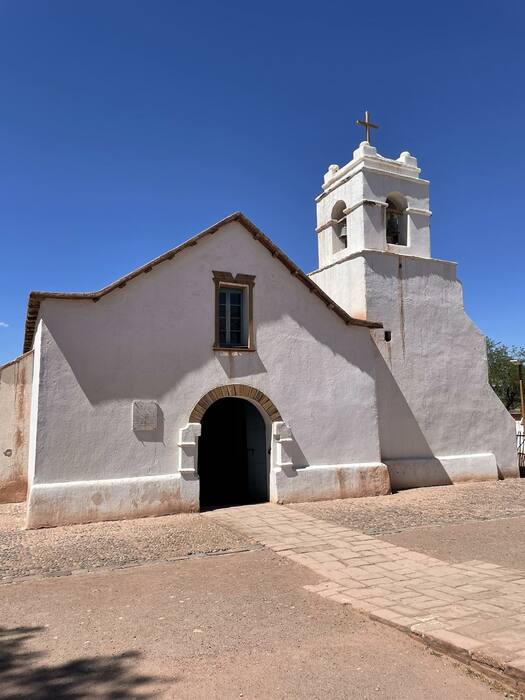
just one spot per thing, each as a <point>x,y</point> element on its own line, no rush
<point>225,626</point>
<point>497,541</point>
<point>60,550</point>
<point>439,505</point>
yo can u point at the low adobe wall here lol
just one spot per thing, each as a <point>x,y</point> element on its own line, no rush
<point>15,405</point>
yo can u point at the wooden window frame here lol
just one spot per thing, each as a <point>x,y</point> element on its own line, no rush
<point>246,283</point>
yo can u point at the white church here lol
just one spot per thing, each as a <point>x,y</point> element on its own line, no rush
<point>221,374</point>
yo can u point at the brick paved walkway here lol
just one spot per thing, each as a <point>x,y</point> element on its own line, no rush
<point>475,610</point>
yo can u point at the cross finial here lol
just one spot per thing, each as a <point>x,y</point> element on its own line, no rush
<point>368,125</point>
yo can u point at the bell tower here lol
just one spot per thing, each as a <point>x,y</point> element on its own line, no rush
<point>373,203</point>
<point>373,229</point>
<point>371,211</point>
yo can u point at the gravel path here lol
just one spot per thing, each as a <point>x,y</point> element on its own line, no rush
<point>439,505</point>
<point>60,550</point>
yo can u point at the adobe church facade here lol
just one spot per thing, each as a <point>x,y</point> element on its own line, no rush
<point>219,373</point>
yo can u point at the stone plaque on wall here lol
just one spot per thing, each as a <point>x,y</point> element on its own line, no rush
<point>145,415</point>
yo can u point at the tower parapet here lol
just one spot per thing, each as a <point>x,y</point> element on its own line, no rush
<point>373,203</point>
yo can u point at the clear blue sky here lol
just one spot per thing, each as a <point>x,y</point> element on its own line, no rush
<point>126,127</point>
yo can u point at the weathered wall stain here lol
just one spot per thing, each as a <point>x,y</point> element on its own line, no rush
<point>63,506</point>
<point>401,304</point>
<point>15,403</point>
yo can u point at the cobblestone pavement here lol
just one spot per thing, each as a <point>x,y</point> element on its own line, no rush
<point>474,609</point>
<point>423,507</point>
<point>60,550</point>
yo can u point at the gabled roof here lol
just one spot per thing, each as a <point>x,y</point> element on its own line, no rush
<point>35,298</point>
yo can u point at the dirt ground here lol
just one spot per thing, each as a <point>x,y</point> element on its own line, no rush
<point>224,626</point>
<point>230,625</point>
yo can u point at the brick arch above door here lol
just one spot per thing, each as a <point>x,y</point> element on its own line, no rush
<point>242,391</point>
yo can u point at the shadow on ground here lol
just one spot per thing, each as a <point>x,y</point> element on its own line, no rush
<point>24,674</point>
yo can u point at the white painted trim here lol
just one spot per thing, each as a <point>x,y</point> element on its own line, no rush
<point>368,200</point>
<point>422,212</point>
<point>189,448</point>
<point>363,253</point>
<point>34,412</point>
<point>329,224</point>
<point>349,210</point>
<point>283,445</point>
<point>401,176</point>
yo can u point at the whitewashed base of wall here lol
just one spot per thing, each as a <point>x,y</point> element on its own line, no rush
<point>50,505</point>
<point>72,502</point>
<point>440,471</point>
<point>326,482</point>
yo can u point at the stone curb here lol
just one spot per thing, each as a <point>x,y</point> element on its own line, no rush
<point>491,661</point>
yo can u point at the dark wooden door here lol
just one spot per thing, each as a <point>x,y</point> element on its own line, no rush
<point>232,461</point>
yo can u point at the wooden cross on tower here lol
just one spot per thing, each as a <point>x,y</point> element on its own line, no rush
<point>368,125</point>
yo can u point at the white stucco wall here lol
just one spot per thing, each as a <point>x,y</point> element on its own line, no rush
<point>15,403</point>
<point>439,419</point>
<point>345,282</point>
<point>153,340</point>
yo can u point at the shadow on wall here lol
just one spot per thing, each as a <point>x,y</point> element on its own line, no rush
<point>23,675</point>
<point>240,365</point>
<point>144,343</point>
<point>96,355</point>
<point>295,455</point>
<point>400,435</point>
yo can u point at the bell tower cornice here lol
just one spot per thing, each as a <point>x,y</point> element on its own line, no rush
<point>367,157</point>
<point>373,203</point>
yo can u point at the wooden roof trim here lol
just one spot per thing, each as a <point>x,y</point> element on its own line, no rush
<point>35,298</point>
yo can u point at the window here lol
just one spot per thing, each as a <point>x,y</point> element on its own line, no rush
<point>233,311</point>
<point>231,330</point>
<point>396,220</point>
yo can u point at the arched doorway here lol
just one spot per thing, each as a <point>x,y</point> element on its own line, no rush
<point>232,462</point>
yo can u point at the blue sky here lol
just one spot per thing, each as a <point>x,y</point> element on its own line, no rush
<point>126,127</point>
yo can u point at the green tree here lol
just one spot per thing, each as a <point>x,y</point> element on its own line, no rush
<point>503,374</point>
